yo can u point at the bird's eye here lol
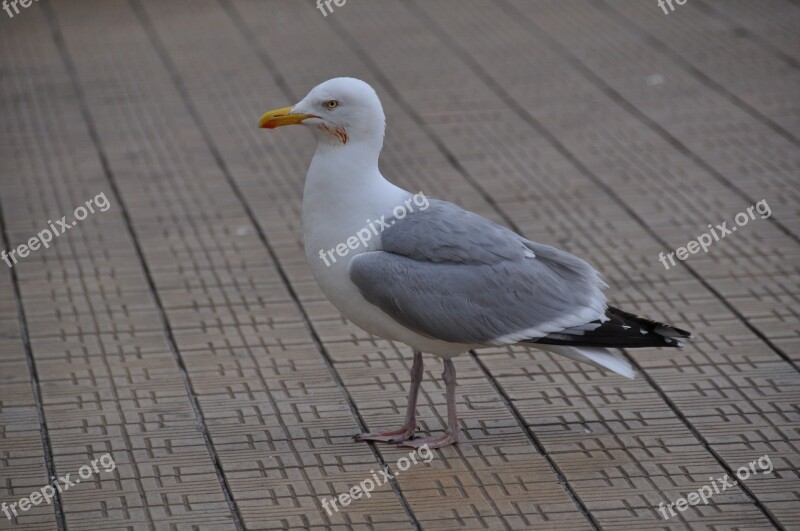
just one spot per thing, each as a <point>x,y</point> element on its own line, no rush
<point>330,104</point>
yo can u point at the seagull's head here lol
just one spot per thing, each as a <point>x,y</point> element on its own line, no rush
<point>341,110</point>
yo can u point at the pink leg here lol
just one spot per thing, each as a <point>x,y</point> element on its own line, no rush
<point>451,436</point>
<point>410,426</point>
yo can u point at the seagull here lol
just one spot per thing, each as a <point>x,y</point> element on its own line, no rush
<point>432,275</point>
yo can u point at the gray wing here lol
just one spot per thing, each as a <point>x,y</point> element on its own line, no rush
<point>455,276</point>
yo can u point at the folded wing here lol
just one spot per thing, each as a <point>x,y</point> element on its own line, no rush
<point>455,276</point>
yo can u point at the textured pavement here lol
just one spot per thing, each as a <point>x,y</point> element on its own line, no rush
<point>181,332</point>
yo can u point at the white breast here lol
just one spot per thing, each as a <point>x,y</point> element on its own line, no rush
<point>337,204</point>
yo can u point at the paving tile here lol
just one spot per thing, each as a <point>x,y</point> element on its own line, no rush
<point>182,333</point>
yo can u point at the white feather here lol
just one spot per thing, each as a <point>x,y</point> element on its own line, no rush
<point>599,357</point>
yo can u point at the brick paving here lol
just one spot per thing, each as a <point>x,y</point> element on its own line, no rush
<point>181,332</point>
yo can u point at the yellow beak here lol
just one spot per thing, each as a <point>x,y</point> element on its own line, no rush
<point>281,117</point>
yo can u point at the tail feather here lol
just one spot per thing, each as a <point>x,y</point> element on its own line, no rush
<point>599,357</point>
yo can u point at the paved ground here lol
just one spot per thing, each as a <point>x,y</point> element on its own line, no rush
<point>181,333</point>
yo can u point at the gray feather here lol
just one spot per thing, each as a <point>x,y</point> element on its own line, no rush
<point>455,276</point>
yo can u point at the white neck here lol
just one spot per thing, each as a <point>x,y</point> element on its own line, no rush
<point>344,188</point>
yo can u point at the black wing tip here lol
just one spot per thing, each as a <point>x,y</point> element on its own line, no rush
<point>672,342</point>
<point>622,329</point>
<point>672,331</point>
<point>664,330</point>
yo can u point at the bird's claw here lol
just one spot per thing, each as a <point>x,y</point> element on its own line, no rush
<point>437,441</point>
<point>388,436</point>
